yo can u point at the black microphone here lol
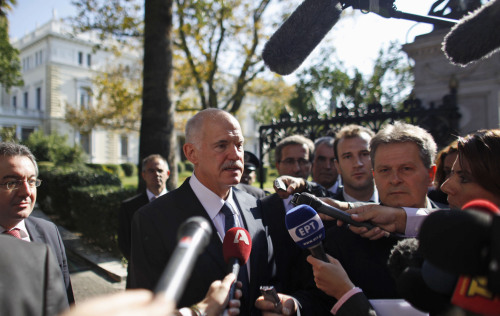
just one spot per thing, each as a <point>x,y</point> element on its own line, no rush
<point>194,235</point>
<point>475,36</point>
<point>321,207</point>
<point>296,38</point>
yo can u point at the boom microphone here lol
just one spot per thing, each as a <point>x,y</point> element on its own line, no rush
<point>236,249</point>
<point>194,235</point>
<point>296,38</point>
<point>474,36</point>
<point>307,230</point>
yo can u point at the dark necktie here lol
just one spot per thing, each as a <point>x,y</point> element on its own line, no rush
<point>227,210</point>
<point>16,232</point>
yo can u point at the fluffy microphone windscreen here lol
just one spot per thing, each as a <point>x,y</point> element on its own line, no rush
<point>412,288</point>
<point>297,37</point>
<point>483,206</point>
<point>475,36</point>
<point>305,226</point>
<point>456,240</point>
<point>237,244</point>
<point>403,255</point>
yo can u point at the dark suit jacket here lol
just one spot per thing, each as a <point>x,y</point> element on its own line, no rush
<point>43,231</point>
<point>125,215</point>
<point>154,239</point>
<point>258,193</point>
<point>292,270</point>
<point>30,282</point>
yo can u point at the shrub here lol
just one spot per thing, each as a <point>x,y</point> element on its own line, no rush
<point>128,168</point>
<point>95,212</point>
<point>54,191</point>
<point>114,169</point>
<point>189,166</point>
<point>54,148</point>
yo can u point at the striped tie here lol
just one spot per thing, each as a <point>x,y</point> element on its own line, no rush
<point>15,232</point>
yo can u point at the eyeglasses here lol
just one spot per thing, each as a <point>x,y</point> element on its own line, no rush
<point>291,161</point>
<point>14,185</point>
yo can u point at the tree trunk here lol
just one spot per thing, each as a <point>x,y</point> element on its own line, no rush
<point>157,125</point>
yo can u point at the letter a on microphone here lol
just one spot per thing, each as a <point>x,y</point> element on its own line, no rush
<point>241,236</point>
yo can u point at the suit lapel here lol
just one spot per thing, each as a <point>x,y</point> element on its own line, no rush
<point>33,231</point>
<point>193,207</point>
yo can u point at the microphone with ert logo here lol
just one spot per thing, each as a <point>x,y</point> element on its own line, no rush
<point>307,230</point>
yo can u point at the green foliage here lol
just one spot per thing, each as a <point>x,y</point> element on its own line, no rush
<point>189,167</point>
<point>8,134</point>
<point>327,85</point>
<point>54,148</point>
<point>128,168</point>
<point>10,65</point>
<point>94,210</point>
<point>54,191</point>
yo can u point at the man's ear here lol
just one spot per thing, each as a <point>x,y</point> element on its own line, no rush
<point>190,152</point>
<point>432,173</point>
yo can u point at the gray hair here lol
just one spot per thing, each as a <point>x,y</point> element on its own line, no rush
<point>8,149</point>
<point>400,132</point>
<point>195,124</point>
<point>327,140</point>
<point>153,157</point>
<point>293,140</point>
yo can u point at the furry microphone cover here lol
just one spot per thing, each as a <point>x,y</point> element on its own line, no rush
<point>476,36</point>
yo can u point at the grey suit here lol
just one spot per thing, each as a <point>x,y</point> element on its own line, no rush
<point>154,238</point>
<point>46,232</point>
<point>30,282</point>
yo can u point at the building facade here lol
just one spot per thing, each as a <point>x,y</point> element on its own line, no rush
<point>57,69</point>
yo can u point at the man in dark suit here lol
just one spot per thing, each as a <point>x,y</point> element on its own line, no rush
<point>31,280</point>
<point>293,158</point>
<point>214,144</point>
<point>402,157</point>
<point>18,183</point>
<point>155,173</point>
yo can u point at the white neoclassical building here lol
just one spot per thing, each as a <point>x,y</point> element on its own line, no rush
<point>57,70</point>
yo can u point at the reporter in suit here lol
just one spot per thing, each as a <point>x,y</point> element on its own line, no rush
<point>18,183</point>
<point>30,286</point>
<point>214,144</point>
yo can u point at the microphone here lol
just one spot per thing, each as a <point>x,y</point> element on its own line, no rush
<point>459,241</point>
<point>475,36</point>
<point>324,208</point>
<point>405,263</point>
<point>236,249</point>
<point>194,235</point>
<point>307,230</point>
<point>411,286</point>
<point>297,37</point>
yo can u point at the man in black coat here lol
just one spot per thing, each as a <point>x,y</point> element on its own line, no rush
<point>18,190</point>
<point>214,144</point>
<point>155,173</point>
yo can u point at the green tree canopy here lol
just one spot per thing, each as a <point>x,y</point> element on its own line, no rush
<point>10,66</point>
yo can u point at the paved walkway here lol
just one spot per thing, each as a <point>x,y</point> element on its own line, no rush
<point>93,273</point>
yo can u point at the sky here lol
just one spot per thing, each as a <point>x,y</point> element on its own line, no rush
<point>355,40</point>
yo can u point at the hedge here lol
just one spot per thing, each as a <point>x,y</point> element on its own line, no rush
<point>95,212</point>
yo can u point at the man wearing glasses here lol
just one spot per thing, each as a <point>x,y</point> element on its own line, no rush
<point>18,183</point>
<point>293,158</point>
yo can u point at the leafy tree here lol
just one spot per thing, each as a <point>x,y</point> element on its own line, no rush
<point>328,85</point>
<point>10,66</point>
<point>117,95</point>
<point>8,134</point>
<point>54,148</point>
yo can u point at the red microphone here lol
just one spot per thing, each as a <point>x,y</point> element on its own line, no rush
<point>236,248</point>
<point>472,292</point>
